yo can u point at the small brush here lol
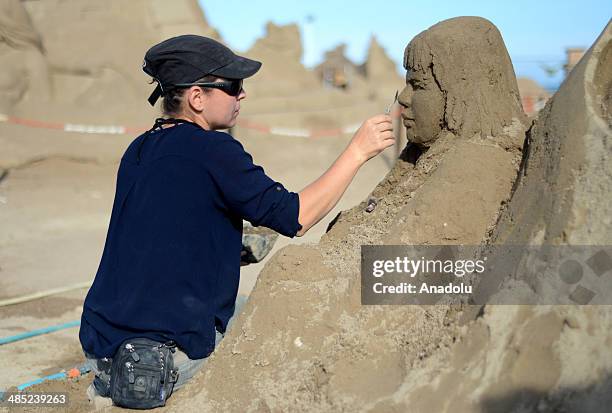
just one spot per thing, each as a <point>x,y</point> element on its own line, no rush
<point>388,110</point>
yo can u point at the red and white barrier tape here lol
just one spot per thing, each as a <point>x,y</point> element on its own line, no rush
<point>122,130</point>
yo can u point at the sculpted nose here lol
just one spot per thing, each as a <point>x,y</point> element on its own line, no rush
<point>405,100</point>
<point>405,97</point>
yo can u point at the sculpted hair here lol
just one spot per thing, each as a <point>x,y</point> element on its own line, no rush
<point>471,66</point>
<point>172,102</point>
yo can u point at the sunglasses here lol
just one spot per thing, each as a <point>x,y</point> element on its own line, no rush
<point>231,87</point>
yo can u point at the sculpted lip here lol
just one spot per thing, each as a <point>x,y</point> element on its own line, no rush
<point>408,121</point>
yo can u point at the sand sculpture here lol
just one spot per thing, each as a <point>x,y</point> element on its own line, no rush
<point>572,171</point>
<point>280,50</point>
<point>86,69</point>
<point>465,129</point>
<point>298,98</point>
<point>338,71</point>
<point>377,76</point>
<point>378,68</point>
<point>24,68</point>
<point>95,76</point>
<point>304,341</point>
<point>52,171</point>
<point>544,358</point>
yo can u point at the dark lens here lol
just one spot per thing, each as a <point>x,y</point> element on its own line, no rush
<point>235,87</point>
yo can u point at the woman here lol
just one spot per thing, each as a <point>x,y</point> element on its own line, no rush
<point>171,263</point>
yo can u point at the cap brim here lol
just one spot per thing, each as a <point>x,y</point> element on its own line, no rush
<point>240,68</point>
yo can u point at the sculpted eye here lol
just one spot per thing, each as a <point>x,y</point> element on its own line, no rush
<point>417,84</point>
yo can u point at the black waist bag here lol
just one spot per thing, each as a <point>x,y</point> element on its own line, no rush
<point>142,373</point>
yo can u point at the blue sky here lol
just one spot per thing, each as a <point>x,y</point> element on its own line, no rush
<point>536,33</point>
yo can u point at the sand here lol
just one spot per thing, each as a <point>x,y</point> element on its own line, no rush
<point>57,188</point>
<point>314,354</point>
<point>304,342</point>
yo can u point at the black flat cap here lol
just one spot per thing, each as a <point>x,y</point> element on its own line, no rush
<point>187,58</point>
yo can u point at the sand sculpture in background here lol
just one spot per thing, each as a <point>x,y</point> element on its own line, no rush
<point>282,73</point>
<point>377,75</point>
<point>304,341</point>
<point>286,94</point>
<point>95,72</point>
<point>96,78</point>
<point>24,68</point>
<point>378,68</point>
<point>337,70</point>
<point>370,83</point>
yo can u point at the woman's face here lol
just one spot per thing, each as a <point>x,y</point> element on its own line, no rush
<point>220,109</point>
<point>423,107</point>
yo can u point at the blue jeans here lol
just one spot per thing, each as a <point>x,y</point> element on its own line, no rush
<point>186,367</point>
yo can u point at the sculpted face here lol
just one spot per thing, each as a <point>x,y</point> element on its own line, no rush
<point>463,98</point>
<point>422,107</point>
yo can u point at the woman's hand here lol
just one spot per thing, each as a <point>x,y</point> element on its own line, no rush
<point>318,198</point>
<point>374,136</point>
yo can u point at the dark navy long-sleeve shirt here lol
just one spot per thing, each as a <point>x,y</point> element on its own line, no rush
<point>171,263</point>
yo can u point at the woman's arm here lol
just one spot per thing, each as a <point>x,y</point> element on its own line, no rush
<point>318,198</point>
